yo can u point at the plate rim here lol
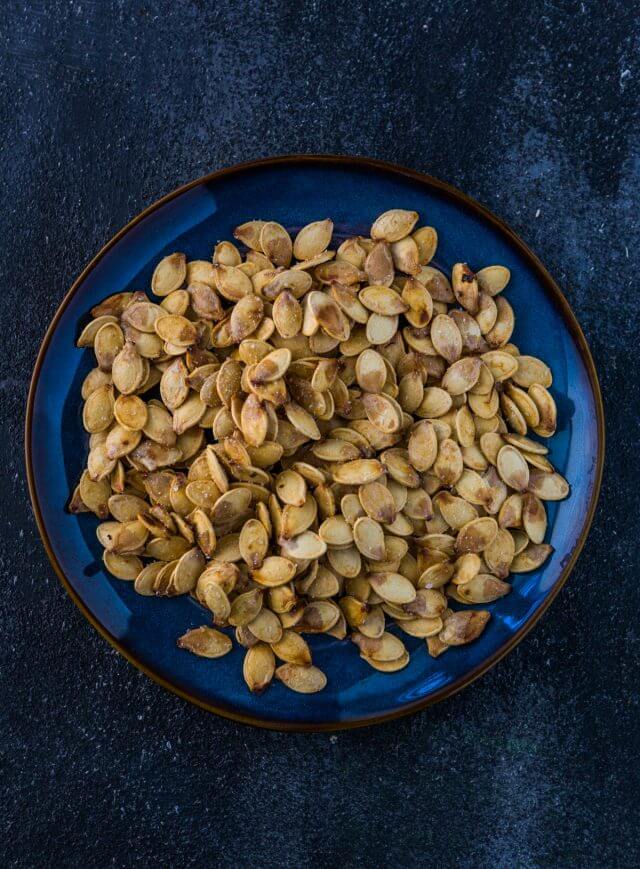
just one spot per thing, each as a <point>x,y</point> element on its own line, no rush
<point>550,285</point>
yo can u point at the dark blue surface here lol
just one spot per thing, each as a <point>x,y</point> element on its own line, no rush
<point>533,108</point>
<point>192,222</point>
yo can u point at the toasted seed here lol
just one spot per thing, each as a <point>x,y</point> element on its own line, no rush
<point>383,412</point>
<point>307,545</point>
<point>446,337</point>
<point>462,375</point>
<point>128,370</point>
<point>436,576</point>
<point>396,463</point>
<point>88,334</point>
<point>291,488</point>
<point>371,371</point>
<point>448,466</point>
<point>384,648</point>
<point>249,234</point>
<point>394,224</point>
<point>465,287</point>
<point>348,302</point>
<point>336,531</point>
<point>274,570</point>
<point>499,554</point>
<point>510,514</point>
<point>245,608</point>
<point>406,256</point>
<point>175,329</point>
<point>530,371</point>
<point>374,624</point>
<point>313,239</point>
<point>503,328</point>
<point>276,243</point>
<point>483,588</point>
<point>423,446</point>
<point>368,536</point>
<point>205,642</point>
<point>258,667</point>
<point>266,626</point>
<point>358,472</point>
<point>287,315</point>
<point>94,380</point>
<point>463,627</point>
<point>319,616</point>
<point>534,517</point>
<point>382,300</point>
<point>146,579</point>
<point>186,573</point>
<point>302,679</point>
<point>131,412</point>
<point>513,468</point>
<point>465,568</point>
<point>329,316</point>
<point>548,487</point>
<point>525,404</point>
<point>392,587</point>
<point>98,411</point>
<point>531,558</point>
<point>292,648</point>
<point>493,279</point>
<point>377,502</point>
<point>477,534</point>
<point>169,274</point>
<point>246,317</point>
<point>520,540</point>
<point>546,406</point>
<point>253,543</point>
<point>122,566</point>
<point>212,595</point>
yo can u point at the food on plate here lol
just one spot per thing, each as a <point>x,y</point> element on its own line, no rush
<point>318,435</point>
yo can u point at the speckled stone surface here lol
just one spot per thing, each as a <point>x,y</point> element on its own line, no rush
<point>532,108</point>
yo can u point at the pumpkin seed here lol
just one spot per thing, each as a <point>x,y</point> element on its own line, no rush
<point>302,679</point>
<point>465,287</point>
<point>548,486</point>
<point>463,627</point>
<point>531,558</point>
<point>394,224</point>
<point>513,468</point>
<point>258,667</point>
<point>169,274</point>
<point>206,642</point>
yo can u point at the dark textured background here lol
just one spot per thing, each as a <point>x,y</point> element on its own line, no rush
<point>532,108</point>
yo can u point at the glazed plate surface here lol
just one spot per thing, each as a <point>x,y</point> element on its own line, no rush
<point>295,191</point>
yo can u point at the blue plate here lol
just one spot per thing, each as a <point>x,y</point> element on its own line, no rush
<point>295,191</point>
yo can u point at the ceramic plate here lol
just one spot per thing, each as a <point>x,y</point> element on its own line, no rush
<point>295,191</point>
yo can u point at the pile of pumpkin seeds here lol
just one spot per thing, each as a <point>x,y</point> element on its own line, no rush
<point>311,440</point>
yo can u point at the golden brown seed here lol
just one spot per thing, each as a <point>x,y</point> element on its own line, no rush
<point>531,558</point>
<point>258,667</point>
<point>276,244</point>
<point>513,468</point>
<point>465,287</point>
<point>394,224</point>
<point>463,627</point>
<point>205,642</point>
<point>302,679</point>
<point>392,587</point>
<point>548,486</point>
<point>313,239</point>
